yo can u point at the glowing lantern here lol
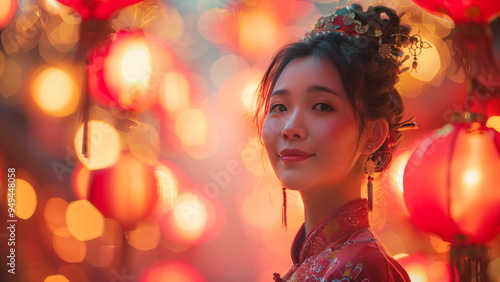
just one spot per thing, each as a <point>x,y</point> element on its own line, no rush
<point>462,11</point>
<point>450,187</point>
<point>472,33</point>
<point>97,9</point>
<point>126,192</point>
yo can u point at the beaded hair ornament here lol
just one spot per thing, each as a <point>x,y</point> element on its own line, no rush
<point>344,21</point>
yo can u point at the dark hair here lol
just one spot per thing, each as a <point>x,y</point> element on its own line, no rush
<point>367,76</point>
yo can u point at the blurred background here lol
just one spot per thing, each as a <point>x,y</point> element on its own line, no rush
<point>175,186</point>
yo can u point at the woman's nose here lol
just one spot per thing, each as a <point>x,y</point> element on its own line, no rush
<point>294,127</point>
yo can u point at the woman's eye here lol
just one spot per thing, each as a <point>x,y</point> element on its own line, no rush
<point>278,108</point>
<point>322,107</point>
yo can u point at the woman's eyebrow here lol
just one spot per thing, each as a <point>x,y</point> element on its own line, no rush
<point>279,92</point>
<point>314,88</point>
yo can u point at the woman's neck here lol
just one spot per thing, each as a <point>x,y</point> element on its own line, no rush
<point>320,202</point>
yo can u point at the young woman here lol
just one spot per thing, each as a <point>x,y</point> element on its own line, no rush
<point>329,117</point>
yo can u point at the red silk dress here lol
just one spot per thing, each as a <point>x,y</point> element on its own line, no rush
<point>342,248</point>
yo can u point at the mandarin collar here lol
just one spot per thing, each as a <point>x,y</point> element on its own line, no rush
<point>336,227</point>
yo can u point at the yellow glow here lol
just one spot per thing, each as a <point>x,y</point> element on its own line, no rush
<point>105,145</point>
<point>494,122</point>
<point>135,64</point>
<point>191,127</point>
<point>439,245</point>
<point>56,278</point>
<point>26,199</point>
<point>146,236</point>
<point>167,188</point>
<point>417,273</point>
<point>400,256</point>
<point>54,213</point>
<point>471,177</point>
<point>128,69</point>
<point>172,271</point>
<point>8,10</point>
<point>429,61</point>
<point>255,23</point>
<point>80,181</point>
<point>55,92</point>
<point>175,93</point>
<point>84,221</point>
<point>398,169</point>
<point>67,247</point>
<point>248,96</point>
<point>190,215</point>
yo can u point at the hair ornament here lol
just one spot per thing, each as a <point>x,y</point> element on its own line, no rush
<point>344,21</point>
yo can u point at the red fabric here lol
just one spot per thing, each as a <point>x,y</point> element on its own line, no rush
<point>342,248</point>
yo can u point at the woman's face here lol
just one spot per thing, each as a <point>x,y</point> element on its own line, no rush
<point>309,132</point>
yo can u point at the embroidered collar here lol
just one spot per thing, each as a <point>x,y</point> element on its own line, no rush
<point>336,228</point>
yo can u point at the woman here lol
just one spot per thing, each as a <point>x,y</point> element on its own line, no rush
<point>329,116</point>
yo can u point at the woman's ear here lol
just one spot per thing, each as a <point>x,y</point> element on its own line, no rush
<point>376,131</point>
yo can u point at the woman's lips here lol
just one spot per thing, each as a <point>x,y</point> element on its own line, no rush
<point>294,155</point>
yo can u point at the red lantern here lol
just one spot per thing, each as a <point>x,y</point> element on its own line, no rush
<point>463,11</point>
<point>472,34</point>
<point>451,186</point>
<point>126,192</point>
<point>97,9</point>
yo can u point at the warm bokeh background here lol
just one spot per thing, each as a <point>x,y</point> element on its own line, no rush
<point>181,127</point>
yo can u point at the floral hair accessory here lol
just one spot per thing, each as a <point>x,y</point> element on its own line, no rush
<point>344,21</point>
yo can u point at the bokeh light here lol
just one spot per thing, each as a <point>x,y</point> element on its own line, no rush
<point>430,60</point>
<point>253,23</point>
<point>56,278</point>
<point>168,187</point>
<point>127,69</point>
<point>55,213</point>
<point>146,236</point>
<point>494,122</point>
<point>12,80</point>
<point>175,93</point>
<point>80,181</point>
<point>105,145</point>
<point>67,247</point>
<point>190,216</point>
<point>84,221</point>
<point>8,11</point>
<point>172,271</point>
<point>55,92</point>
<point>26,199</point>
<point>191,127</point>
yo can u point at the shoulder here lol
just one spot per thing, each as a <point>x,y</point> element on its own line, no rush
<point>362,258</point>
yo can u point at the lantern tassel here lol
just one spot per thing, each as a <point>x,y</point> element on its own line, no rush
<point>469,263</point>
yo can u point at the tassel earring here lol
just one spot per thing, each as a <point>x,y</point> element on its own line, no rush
<point>283,210</point>
<point>370,169</point>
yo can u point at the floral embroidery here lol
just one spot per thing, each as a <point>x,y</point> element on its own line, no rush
<point>331,250</point>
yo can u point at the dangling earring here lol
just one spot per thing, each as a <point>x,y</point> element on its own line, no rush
<point>283,210</point>
<point>370,169</point>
